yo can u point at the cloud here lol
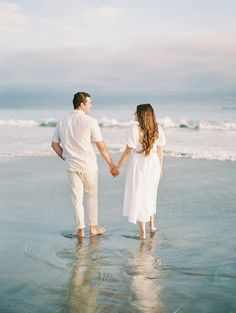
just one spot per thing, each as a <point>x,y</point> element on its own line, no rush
<point>11,19</point>
<point>103,14</point>
<point>57,23</point>
<point>198,66</point>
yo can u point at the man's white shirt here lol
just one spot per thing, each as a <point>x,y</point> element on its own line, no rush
<point>77,133</point>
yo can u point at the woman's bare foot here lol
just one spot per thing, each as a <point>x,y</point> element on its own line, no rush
<point>142,236</point>
<point>153,230</point>
<point>152,224</point>
<point>142,230</point>
<point>96,230</point>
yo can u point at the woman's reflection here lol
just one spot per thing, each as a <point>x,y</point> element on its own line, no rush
<point>146,271</point>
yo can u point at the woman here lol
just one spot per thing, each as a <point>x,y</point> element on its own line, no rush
<point>145,141</point>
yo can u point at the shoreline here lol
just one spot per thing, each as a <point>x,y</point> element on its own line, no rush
<point>168,154</point>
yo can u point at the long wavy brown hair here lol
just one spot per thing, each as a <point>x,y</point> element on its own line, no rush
<point>149,126</point>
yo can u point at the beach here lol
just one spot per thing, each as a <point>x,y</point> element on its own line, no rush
<point>178,57</point>
<point>187,266</point>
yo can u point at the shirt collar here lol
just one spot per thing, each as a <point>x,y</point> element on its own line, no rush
<point>79,111</point>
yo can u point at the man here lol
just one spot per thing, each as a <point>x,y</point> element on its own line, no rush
<point>73,141</point>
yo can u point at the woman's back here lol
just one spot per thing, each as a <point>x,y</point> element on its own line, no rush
<point>136,136</point>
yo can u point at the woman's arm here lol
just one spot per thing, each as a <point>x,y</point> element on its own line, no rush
<point>124,157</point>
<point>160,155</point>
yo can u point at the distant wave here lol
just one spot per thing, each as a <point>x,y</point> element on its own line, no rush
<point>111,122</point>
<point>48,123</point>
<point>27,154</point>
<point>217,125</point>
<point>118,148</point>
<point>222,156</point>
<point>28,123</point>
<point>202,155</point>
<point>229,108</point>
<point>19,123</point>
<point>114,148</point>
<point>166,122</point>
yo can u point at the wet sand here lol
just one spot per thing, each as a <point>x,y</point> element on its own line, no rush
<point>187,266</point>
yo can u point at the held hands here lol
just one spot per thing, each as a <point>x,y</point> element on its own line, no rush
<point>115,170</point>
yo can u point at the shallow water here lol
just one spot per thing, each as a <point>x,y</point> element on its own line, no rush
<point>187,266</point>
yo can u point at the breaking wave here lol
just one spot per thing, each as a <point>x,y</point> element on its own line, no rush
<point>221,156</point>
<point>118,148</point>
<point>166,123</point>
<point>28,123</point>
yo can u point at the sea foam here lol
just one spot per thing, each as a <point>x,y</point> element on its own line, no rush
<point>166,122</point>
<point>116,148</point>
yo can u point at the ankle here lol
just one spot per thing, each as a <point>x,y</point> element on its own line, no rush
<point>152,225</point>
<point>80,232</point>
<point>142,236</point>
<point>92,228</point>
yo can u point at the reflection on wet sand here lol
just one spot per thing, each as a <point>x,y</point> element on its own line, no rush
<point>84,283</point>
<point>146,271</point>
<point>114,280</point>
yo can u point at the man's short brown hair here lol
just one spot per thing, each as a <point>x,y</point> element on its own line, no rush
<point>80,97</point>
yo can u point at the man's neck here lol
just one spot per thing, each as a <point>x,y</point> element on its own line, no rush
<point>79,110</point>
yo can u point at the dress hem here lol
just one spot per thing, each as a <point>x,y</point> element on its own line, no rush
<point>137,221</point>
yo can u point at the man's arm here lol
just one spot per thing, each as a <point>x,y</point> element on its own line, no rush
<point>105,153</point>
<point>58,149</point>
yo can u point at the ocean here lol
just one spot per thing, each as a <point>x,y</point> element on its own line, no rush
<point>194,130</point>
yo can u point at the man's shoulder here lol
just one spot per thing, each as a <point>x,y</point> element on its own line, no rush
<point>90,119</point>
<point>64,119</point>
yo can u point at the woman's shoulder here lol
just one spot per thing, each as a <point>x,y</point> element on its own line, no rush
<point>134,124</point>
<point>133,127</point>
<point>160,128</point>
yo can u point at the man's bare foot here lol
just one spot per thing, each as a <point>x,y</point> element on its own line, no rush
<point>80,232</point>
<point>96,230</point>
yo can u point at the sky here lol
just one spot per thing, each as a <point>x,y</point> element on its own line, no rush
<point>118,50</point>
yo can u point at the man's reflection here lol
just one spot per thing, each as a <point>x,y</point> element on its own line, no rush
<point>84,283</point>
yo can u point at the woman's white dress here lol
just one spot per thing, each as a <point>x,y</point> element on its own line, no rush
<point>142,178</point>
